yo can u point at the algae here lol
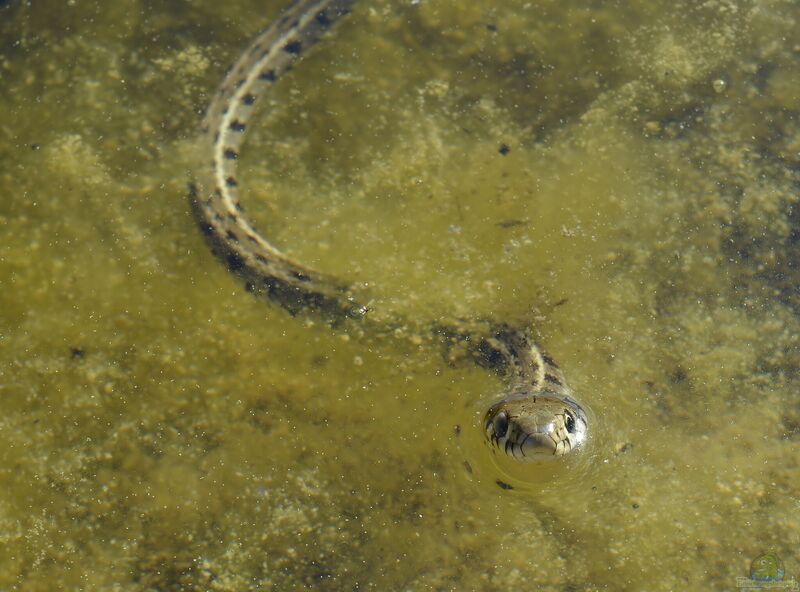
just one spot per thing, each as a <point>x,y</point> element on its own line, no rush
<point>622,176</point>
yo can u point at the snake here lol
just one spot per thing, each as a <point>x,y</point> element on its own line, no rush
<point>535,417</point>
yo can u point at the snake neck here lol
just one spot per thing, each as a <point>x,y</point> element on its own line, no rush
<point>508,351</point>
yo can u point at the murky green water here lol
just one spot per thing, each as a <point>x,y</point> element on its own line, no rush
<point>163,430</point>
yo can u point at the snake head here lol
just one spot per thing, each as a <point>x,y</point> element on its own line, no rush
<point>530,427</point>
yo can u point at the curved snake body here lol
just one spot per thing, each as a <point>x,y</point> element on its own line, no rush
<point>535,418</point>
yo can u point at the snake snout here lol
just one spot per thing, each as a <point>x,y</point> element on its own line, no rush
<point>531,428</point>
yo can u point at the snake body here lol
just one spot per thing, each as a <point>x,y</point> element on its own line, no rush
<point>536,417</point>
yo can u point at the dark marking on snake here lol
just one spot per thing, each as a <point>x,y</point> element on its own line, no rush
<point>552,379</point>
<point>293,47</point>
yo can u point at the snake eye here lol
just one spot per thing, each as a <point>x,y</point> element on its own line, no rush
<point>570,422</point>
<point>500,424</point>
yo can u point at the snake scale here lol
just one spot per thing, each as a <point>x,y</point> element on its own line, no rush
<point>536,417</point>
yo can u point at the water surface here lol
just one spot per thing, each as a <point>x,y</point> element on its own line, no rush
<point>621,176</point>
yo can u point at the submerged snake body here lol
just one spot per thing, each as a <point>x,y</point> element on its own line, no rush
<point>535,418</point>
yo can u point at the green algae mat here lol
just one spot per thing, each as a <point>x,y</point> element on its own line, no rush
<point>621,176</point>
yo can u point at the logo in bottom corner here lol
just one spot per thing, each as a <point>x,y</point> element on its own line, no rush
<point>767,568</point>
<point>766,573</point>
